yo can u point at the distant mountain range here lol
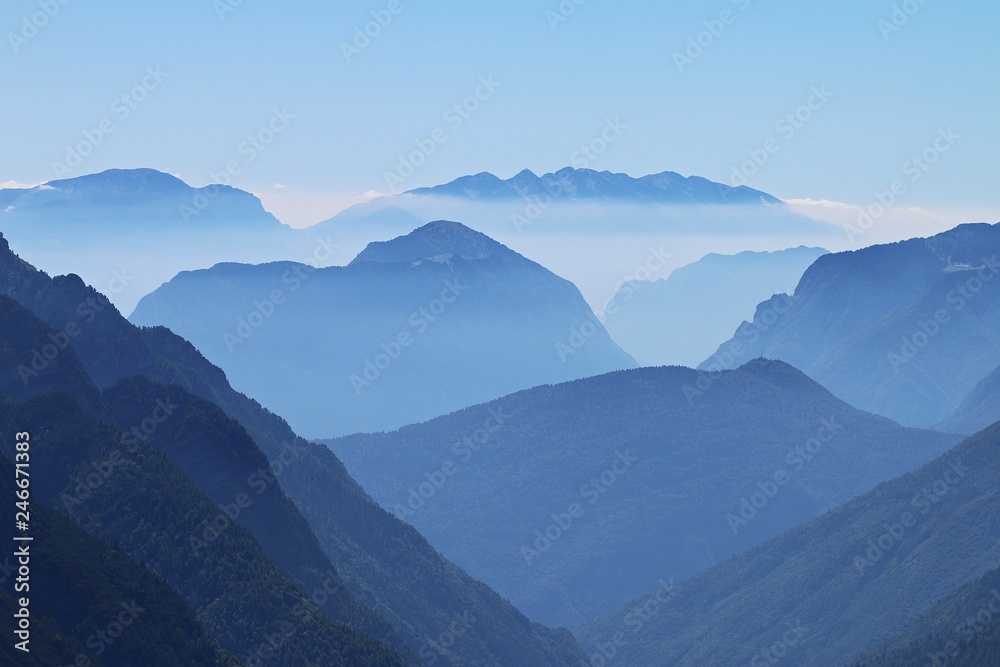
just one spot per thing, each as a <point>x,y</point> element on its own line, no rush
<point>610,220</point>
<point>826,592</point>
<point>905,330</point>
<point>734,514</point>
<point>126,231</point>
<point>274,549</point>
<point>582,201</point>
<point>571,499</point>
<point>680,319</point>
<point>124,199</point>
<point>414,328</point>
<point>575,184</point>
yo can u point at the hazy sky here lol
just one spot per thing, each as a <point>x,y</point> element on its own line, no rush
<point>201,77</point>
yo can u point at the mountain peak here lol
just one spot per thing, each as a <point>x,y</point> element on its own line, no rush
<point>441,239</point>
<point>133,181</point>
<point>572,183</point>
<point>764,367</point>
<point>130,196</point>
<point>772,372</point>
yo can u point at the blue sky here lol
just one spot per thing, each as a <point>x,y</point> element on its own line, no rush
<point>225,67</point>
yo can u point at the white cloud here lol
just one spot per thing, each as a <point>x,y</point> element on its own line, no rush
<point>873,223</point>
<point>14,185</point>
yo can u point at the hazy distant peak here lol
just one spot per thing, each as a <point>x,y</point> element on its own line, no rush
<point>143,186</point>
<point>801,250</point>
<point>483,184</point>
<point>434,240</point>
<point>133,197</point>
<point>571,183</point>
<point>132,181</point>
<point>524,174</point>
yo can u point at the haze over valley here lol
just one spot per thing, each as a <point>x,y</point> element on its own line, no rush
<point>579,334</point>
